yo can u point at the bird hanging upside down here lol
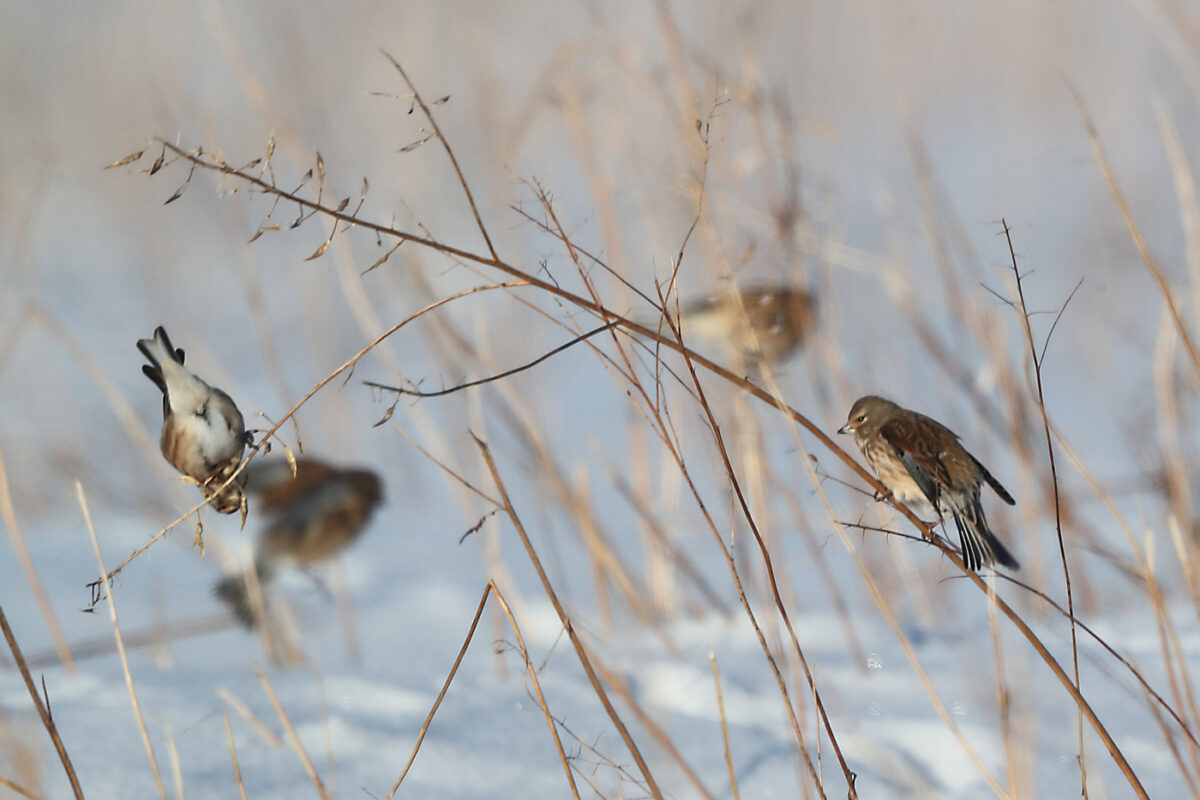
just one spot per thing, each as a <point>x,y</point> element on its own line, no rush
<point>203,434</point>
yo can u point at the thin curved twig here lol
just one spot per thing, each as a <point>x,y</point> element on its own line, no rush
<point>492,378</point>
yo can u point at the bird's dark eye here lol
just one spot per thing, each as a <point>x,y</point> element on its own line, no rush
<point>860,418</point>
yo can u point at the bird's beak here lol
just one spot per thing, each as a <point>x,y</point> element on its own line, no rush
<point>846,429</point>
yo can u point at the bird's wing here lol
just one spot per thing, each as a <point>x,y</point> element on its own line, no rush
<point>155,374</point>
<point>921,453</point>
<point>279,489</point>
<point>995,484</point>
<point>767,310</point>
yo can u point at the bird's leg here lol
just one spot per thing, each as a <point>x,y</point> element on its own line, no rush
<point>881,497</point>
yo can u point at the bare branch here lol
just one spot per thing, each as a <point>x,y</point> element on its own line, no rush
<point>492,378</point>
<point>449,151</point>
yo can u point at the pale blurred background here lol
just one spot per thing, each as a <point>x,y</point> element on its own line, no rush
<point>866,151</point>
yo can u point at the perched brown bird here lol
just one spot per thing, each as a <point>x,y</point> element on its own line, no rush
<point>755,324</point>
<point>309,518</point>
<point>203,434</point>
<point>923,464</point>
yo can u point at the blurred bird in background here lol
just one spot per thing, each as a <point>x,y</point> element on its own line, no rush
<point>203,433</point>
<point>752,325</point>
<point>923,464</point>
<point>308,518</point>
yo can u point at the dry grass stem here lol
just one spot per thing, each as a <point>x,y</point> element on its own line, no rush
<point>173,758</point>
<point>323,714</point>
<point>21,790</point>
<point>1003,697</point>
<point>580,649</point>
<point>449,152</point>
<point>653,728</point>
<point>773,585</point>
<point>293,737</point>
<point>733,784</point>
<point>9,515</point>
<point>233,759</point>
<point>1185,191</point>
<point>1036,360</point>
<point>1135,234</point>
<point>537,686</point>
<point>243,711</point>
<point>43,712</point>
<point>153,636</point>
<point>112,614</point>
<point>530,672</point>
<point>462,651</point>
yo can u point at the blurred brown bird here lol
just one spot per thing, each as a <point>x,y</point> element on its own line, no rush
<point>203,434</point>
<point>310,517</point>
<point>763,324</point>
<point>923,464</point>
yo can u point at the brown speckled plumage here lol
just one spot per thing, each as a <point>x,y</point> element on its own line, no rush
<point>925,466</point>
<point>309,517</point>
<point>756,324</point>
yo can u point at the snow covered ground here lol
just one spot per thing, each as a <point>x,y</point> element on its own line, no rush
<point>867,153</point>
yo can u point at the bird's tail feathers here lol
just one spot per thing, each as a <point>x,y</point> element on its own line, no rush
<point>156,351</point>
<point>159,348</point>
<point>980,547</point>
<point>154,373</point>
<point>234,591</point>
